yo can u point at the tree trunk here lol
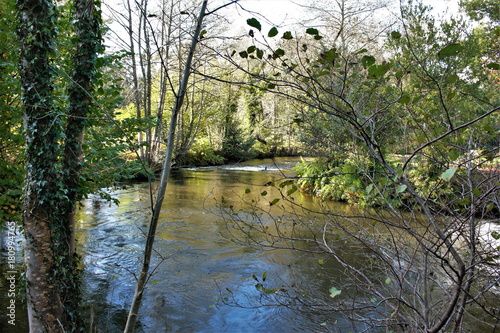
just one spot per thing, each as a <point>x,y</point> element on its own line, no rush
<point>88,45</point>
<point>36,34</point>
<point>137,94</point>
<point>143,275</point>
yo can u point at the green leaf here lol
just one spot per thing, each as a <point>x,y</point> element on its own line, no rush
<point>271,291</point>
<point>367,61</point>
<point>286,183</point>
<point>202,33</point>
<point>334,292</point>
<point>493,65</point>
<point>254,277</point>
<point>247,190</point>
<point>450,50</point>
<point>448,174</point>
<point>273,32</point>
<point>271,86</point>
<point>260,53</point>
<point>278,53</point>
<point>388,280</point>
<point>287,35</point>
<point>264,276</point>
<point>263,193</point>
<point>253,22</point>
<point>401,188</point>
<point>291,191</point>
<point>405,99</point>
<point>251,49</point>
<point>369,188</point>
<point>274,202</point>
<point>361,51</point>
<point>452,78</point>
<point>495,235</point>
<point>321,261</point>
<point>244,54</point>
<point>377,71</point>
<point>396,34</point>
<point>318,37</point>
<point>312,31</point>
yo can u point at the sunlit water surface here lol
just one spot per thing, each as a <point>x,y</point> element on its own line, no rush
<point>198,263</point>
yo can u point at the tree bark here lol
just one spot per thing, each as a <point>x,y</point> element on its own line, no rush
<point>143,275</point>
<point>42,127</point>
<point>88,46</point>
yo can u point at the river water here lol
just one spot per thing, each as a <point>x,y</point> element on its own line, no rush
<point>208,275</point>
<point>203,281</point>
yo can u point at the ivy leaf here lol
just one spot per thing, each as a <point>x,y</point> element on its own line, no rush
<point>450,50</point>
<point>273,32</point>
<point>253,22</point>
<point>448,174</point>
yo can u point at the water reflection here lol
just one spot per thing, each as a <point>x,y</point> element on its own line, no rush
<point>198,261</point>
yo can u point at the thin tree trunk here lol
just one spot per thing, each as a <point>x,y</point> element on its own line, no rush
<point>42,131</point>
<point>137,95</point>
<point>143,275</point>
<point>164,79</point>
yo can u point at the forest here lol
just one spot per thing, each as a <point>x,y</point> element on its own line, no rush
<point>391,107</point>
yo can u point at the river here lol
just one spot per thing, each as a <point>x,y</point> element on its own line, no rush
<point>198,262</point>
<point>208,276</point>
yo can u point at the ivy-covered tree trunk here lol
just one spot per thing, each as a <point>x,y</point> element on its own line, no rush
<point>52,186</point>
<point>42,127</point>
<point>88,46</point>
